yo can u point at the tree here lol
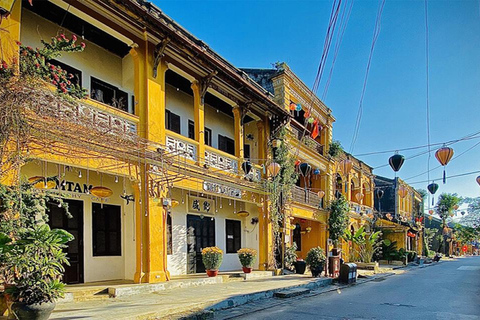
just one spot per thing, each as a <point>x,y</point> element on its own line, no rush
<point>338,218</point>
<point>472,219</point>
<point>446,205</point>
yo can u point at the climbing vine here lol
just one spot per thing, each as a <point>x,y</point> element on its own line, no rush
<point>280,188</point>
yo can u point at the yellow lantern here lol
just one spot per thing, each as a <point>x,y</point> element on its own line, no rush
<point>430,218</point>
<point>243,213</point>
<point>430,211</point>
<point>321,194</point>
<point>174,203</point>
<point>101,192</point>
<point>345,166</point>
<point>359,196</point>
<point>273,169</point>
<point>444,155</point>
<point>41,182</point>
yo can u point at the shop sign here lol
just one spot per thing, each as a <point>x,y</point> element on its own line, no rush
<point>201,205</point>
<point>71,186</point>
<point>222,189</point>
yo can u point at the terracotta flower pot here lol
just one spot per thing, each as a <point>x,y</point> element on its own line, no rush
<point>247,270</point>
<point>212,273</point>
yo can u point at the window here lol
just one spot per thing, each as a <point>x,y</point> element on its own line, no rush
<point>297,236</point>
<point>246,151</point>
<point>169,234</point>
<point>208,137</point>
<point>191,129</point>
<point>226,144</point>
<point>234,235</point>
<point>77,74</point>
<point>172,121</point>
<point>106,93</point>
<point>107,239</point>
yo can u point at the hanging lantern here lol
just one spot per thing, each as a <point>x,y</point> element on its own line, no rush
<point>174,203</point>
<point>292,106</point>
<point>389,216</point>
<point>455,207</point>
<point>432,188</point>
<point>345,166</point>
<point>273,169</point>
<point>305,169</point>
<point>430,211</point>
<point>380,193</point>
<point>359,196</point>
<point>444,155</point>
<point>243,213</point>
<point>402,191</point>
<point>316,172</point>
<point>396,161</point>
<point>311,120</point>
<point>40,182</point>
<point>298,107</point>
<point>478,180</point>
<point>247,167</point>
<point>463,213</point>
<point>430,218</point>
<point>101,192</point>
<point>321,194</point>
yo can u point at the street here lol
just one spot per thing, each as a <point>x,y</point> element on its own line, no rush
<point>450,290</point>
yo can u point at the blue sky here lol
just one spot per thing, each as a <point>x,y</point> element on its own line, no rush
<point>256,34</point>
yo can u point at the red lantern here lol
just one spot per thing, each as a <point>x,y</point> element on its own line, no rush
<point>292,106</point>
<point>444,155</point>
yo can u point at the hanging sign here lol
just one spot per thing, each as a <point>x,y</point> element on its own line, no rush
<point>201,205</point>
<point>222,189</point>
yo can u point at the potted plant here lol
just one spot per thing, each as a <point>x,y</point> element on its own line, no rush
<point>300,266</point>
<point>212,258</point>
<point>290,256</point>
<point>316,260</point>
<point>247,258</point>
<point>34,264</point>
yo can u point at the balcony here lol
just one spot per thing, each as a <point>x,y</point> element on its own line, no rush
<point>297,131</point>
<point>221,160</point>
<point>307,197</point>
<point>360,209</point>
<point>181,146</point>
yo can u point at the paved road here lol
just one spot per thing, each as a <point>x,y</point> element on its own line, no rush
<point>449,290</point>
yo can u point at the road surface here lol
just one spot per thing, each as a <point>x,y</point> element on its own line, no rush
<point>449,290</point>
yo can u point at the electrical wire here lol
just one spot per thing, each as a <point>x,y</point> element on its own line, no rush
<point>376,33</point>
<point>449,177</point>
<point>343,25</point>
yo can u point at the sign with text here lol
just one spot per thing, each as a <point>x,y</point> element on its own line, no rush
<point>201,205</point>
<point>222,189</point>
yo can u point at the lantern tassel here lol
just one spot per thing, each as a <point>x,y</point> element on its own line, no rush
<point>433,201</point>
<point>444,176</point>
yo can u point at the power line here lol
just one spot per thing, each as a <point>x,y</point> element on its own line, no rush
<point>449,177</point>
<point>376,33</point>
<point>467,137</point>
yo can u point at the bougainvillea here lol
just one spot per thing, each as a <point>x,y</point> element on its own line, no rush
<point>36,62</point>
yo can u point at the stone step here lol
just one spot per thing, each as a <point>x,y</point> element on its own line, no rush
<point>291,293</point>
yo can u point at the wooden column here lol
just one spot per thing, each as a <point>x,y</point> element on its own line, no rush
<point>237,119</point>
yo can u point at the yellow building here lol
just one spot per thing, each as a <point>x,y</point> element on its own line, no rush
<point>174,133</point>
<point>400,212</point>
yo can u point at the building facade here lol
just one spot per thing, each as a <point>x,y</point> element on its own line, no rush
<point>175,133</point>
<point>400,210</point>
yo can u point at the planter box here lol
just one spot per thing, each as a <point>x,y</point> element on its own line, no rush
<point>393,262</point>
<point>368,266</point>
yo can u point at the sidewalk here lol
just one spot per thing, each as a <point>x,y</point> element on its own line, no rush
<point>160,305</point>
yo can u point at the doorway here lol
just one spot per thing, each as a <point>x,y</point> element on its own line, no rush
<point>200,234</point>
<point>59,220</point>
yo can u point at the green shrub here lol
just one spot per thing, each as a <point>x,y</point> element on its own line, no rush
<point>315,258</point>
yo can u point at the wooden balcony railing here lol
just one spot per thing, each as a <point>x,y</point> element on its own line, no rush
<point>184,147</point>
<point>300,195</point>
<point>102,117</point>
<point>221,160</point>
<point>298,132</point>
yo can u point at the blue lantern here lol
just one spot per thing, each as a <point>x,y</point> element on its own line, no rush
<point>316,171</point>
<point>298,107</point>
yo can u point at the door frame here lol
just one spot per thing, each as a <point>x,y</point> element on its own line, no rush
<point>214,234</point>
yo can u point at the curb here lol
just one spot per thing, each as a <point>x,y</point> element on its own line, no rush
<point>224,304</point>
